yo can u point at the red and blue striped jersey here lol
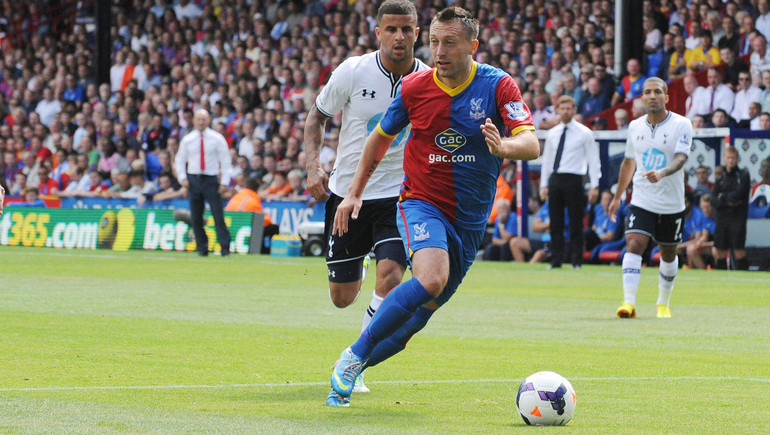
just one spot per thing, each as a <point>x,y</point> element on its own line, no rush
<point>446,159</point>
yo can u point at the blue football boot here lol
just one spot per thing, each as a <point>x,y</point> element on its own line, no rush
<point>334,399</point>
<point>348,367</point>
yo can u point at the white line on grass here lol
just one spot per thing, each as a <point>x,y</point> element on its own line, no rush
<point>399,382</point>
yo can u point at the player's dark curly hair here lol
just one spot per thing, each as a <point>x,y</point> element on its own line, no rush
<point>454,13</point>
<point>397,7</point>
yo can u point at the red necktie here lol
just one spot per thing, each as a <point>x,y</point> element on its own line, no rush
<point>203,158</point>
<point>711,106</point>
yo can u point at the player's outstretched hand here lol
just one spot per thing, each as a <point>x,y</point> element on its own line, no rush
<point>348,209</point>
<point>492,136</point>
<point>318,184</point>
<point>613,210</point>
<point>2,198</point>
<point>654,176</point>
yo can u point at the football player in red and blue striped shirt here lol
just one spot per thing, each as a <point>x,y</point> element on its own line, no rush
<point>466,118</point>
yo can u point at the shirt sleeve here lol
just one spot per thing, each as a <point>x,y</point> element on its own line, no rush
<point>684,143</point>
<point>225,164</point>
<point>181,161</point>
<point>630,152</point>
<point>515,113</point>
<point>621,91</point>
<point>546,165</point>
<point>395,119</point>
<point>336,92</point>
<point>594,162</point>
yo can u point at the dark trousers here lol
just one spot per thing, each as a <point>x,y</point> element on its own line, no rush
<point>566,190</point>
<point>205,188</point>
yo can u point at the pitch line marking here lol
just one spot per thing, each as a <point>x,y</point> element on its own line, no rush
<point>399,382</point>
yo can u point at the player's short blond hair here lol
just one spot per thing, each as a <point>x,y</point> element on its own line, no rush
<point>565,99</point>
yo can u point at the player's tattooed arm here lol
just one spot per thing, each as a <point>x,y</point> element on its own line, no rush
<point>317,179</point>
<point>373,166</point>
<point>676,164</point>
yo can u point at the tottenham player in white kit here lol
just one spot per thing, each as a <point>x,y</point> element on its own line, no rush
<point>657,147</point>
<point>363,87</point>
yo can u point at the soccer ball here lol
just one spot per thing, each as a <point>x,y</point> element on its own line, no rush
<point>546,399</point>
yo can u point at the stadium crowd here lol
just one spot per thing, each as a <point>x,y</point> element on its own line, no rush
<point>257,66</point>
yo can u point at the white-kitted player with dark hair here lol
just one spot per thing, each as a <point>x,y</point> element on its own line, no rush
<point>363,87</point>
<point>657,147</point>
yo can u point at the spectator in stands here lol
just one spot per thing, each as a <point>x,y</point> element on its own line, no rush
<point>748,32</point>
<point>705,55</point>
<point>693,38</point>
<point>603,229</point>
<point>764,97</point>
<point>755,109</point>
<point>571,88</point>
<point>720,119</point>
<point>506,227</point>
<point>595,102</point>
<point>637,109</point>
<point>631,85</point>
<point>653,39</point>
<point>764,121</point>
<point>731,200</point>
<point>666,53</point>
<point>702,241</point>
<point>47,108</point>
<point>47,186</point>
<point>543,115</point>
<point>679,59</point>
<point>732,67</point>
<point>760,56</point>
<point>140,188</point>
<point>745,95</point>
<point>79,183</point>
<point>32,199</point>
<point>606,81</point>
<point>598,124</point>
<point>763,18</point>
<point>764,172</point>
<point>699,121</point>
<point>120,183</point>
<point>169,188</point>
<point>621,119</point>
<point>703,185</point>
<point>19,185</point>
<point>298,191</point>
<point>716,96</point>
<point>730,38</point>
<point>538,247</point>
<point>278,188</point>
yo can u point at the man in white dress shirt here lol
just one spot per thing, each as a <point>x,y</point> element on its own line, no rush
<point>203,155</point>
<point>716,96</point>
<point>746,94</point>
<point>657,147</point>
<point>570,149</point>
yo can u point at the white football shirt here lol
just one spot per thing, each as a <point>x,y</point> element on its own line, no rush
<point>363,89</point>
<point>653,148</point>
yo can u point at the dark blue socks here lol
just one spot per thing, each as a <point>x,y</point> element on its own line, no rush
<point>397,308</point>
<point>397,342</point>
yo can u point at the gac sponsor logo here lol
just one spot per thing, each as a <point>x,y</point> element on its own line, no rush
<point>450,140</point>
<point>448,158</point>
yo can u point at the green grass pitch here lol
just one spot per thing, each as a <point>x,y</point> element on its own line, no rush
<point>169,343</point>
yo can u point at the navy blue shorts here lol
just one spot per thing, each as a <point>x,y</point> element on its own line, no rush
<point>423,225</point>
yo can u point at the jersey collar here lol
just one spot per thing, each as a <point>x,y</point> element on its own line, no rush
<point>455,91</point>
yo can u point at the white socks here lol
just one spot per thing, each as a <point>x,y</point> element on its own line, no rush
<point>632,273</point>
<point>666,282</point>
<point>373,306</point>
